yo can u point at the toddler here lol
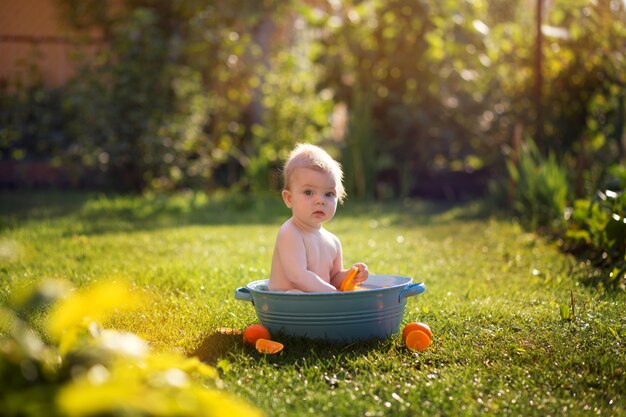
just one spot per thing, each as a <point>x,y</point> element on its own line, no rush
<point>306,256</point>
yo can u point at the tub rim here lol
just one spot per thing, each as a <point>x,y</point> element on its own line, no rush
<point>407,289</point>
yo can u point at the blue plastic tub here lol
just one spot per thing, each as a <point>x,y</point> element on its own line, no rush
<point>375,311</point>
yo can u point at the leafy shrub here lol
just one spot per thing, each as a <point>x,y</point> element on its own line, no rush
<point>593,229</point>
<point>120,106</point>
<point>33,122</point>
<point>75,367</point>
<point>540,188</point>
<point>292,113</point>
<point>596,229</point>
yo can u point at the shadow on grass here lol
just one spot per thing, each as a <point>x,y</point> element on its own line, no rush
<point>102,213</point>
<point>38,205</point>
<point>298,349</point>
<point>216,346</point>
<point>219,344</point>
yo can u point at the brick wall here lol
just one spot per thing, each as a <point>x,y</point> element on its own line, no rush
<point>31,32</point>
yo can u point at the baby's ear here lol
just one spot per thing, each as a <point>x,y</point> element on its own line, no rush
<point>287,197</point>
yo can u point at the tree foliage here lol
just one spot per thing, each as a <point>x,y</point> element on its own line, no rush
<point>193,93</point>
<point>450,80</point>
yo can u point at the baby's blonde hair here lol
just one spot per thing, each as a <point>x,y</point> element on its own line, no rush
<point>305,155</point>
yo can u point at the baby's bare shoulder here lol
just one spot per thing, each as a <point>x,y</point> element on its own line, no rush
<point>328,236</point>
<point>288,230</point>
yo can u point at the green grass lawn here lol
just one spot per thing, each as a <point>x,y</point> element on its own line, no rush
<point>498,300</point>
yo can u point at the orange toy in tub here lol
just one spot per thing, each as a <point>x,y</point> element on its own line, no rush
<point>348,283</point>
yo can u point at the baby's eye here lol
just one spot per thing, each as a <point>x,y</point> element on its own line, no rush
<point>330,194</point>
<point>308,192</point>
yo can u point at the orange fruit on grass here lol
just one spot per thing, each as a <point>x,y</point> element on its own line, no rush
<point>416,326</point>
<point>269,347</point>
<point>417,340</point>
<point>255,332</point>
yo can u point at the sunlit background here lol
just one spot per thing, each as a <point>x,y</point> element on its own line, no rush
<point>415,97</point>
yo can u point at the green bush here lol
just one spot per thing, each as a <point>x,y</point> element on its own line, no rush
<point>541,188</point>
<point>33,122</point>
<point>596,230</point>
<point>593,229</point>
<point>292,112</point>
<point>121,106</point>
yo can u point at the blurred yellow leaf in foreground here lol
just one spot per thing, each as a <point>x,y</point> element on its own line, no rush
<point>90,305</point>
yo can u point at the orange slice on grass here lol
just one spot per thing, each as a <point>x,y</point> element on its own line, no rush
<point>348,284</point>
<point>268,347</point>
<point>416,326</point>
<point>255,332</point>
<point>417,340</point>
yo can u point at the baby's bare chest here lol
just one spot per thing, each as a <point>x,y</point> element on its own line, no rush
<point>320,250</point>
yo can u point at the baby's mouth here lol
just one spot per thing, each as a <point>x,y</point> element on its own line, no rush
<point>318,213</point>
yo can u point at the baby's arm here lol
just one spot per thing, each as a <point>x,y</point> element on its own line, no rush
<point>292,255</point>
<point>340,274</point>
<point>363,273</point>
<point>360,277</point>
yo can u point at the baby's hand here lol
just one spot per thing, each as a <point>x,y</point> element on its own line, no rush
<point>362,274</point>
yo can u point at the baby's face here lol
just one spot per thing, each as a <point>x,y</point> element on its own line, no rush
<point>312,196</point>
